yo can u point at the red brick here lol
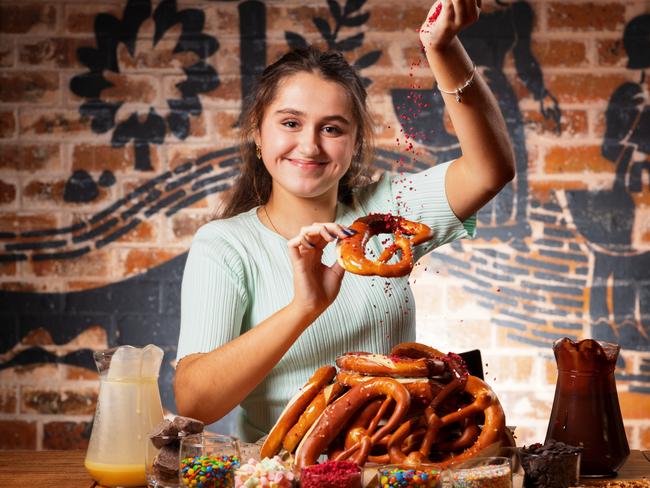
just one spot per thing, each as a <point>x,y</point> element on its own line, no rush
<point>66,402</point>
<point>105,157</point>
<point>53,123</point>
<point>586,16</point>
<point>644,438</point>
<point>224,124</point>
<point>185,226</point>
<point>17,434</point>
<point>382,84</point>
<point>572,122</point>
<point>139,89</point>
<point>17,18</point>
<point>8,399</point>
<point>96,263</point>
<point>66,435</point>
<point>576,159</point>
<point>396,17</point>
<point>79,373</point>
<point>7,57</point>
<point>296,19</point>
<point>160,56</point>
<point>222,18</point>
<point>611,52</point>
<point>138,260</point>
<point>55,52</point>
<point>552,53</point>
<point>29,157</point>
<point>146,231</point>
<point>80,18</point>
<point>544,191</point>
<point>7,124</point>
<point>7,192</point>
<point>44,191</point>
<point>22,223</point>
<point>583,87</point>
<point>29,87</point>
<point>7,269</point>
<point>634,405</point>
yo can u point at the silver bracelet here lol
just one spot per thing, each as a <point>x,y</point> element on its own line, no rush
<point>458,91</point>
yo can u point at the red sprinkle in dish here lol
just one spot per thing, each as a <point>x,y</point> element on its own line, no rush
<point>331,474</point>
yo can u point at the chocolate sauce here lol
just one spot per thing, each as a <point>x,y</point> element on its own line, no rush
<point>585,410</point>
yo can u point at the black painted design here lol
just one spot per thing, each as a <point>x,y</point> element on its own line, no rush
<point>347,16</point>
<point>169,192</point>
<point>620,291</point>
<point>137,311</point>
<point>421,111</point>
<point>104,72</point>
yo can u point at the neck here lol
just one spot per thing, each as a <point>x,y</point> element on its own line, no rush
<point>287,214</point>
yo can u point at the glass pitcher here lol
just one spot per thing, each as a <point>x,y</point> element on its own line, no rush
<point>128,408</point>
<point>585,410</point>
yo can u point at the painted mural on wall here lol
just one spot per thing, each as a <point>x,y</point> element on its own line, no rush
<point>580,239</point>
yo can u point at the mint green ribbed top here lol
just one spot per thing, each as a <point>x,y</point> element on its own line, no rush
<point>238,273</point>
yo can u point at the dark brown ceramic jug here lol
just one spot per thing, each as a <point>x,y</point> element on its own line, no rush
<point>585,410</point>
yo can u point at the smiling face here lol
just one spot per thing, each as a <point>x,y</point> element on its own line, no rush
<point>308,136</point>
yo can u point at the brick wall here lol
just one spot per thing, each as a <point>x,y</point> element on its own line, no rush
<point>97,209</point>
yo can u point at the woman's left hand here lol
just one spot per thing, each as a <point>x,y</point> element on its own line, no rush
<point>445,20</point>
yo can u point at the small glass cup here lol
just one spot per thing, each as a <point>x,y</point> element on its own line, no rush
<point>479,472</point>
<point>210,459</point>
<point>161,463</point>
<point>394,475</point>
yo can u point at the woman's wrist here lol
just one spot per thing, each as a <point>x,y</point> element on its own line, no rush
<point>303,314</point>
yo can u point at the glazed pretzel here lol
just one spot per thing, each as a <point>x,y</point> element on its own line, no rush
<point>294,409</point>
<point>395,366</point>
<point>483,401</point>
<point>420,389</point>
<point>352,250</point>
<point>338,414</point>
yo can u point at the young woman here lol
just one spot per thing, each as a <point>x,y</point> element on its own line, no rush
<point>264,302</point>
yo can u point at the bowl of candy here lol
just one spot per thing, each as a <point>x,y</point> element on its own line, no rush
<point>421,475</point>
<point>208,460</point>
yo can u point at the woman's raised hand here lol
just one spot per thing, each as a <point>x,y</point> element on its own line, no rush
<point>315,284</point>
<point>446,18</point>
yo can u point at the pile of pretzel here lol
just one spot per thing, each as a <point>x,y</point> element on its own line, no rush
<point>416,405</point>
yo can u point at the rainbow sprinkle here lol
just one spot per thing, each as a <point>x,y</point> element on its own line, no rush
<point>482,477</point>
<point>398,477</point>
<point>209,471</point>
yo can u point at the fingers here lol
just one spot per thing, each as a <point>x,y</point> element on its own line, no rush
<point>318,235</point>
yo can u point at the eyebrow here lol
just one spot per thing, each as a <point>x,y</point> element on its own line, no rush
<point>298,113</point>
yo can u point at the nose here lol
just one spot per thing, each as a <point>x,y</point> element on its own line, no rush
<point>308,144</point>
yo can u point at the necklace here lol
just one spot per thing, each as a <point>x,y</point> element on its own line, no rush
<point>270,221</point>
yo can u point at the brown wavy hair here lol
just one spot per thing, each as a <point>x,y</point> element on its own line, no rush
<point>253,185</point>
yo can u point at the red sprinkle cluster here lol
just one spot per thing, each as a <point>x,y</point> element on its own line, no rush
<point>435,14</point>
<point>331,474</point>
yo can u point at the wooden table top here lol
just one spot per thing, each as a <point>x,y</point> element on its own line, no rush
<point>66,469</point>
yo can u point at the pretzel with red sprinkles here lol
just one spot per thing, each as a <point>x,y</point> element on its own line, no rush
<point>352,250</point>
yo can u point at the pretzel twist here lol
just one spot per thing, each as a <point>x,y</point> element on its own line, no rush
<point>352,250</point>
<point>484,402</point>
<point>337,415</point>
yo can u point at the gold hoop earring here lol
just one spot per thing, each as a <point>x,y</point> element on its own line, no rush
<point>258,151</point>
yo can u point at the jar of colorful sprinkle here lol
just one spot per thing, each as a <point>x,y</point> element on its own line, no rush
<point>208,460</point>
<point>481,472</point>
<point>394,475</point>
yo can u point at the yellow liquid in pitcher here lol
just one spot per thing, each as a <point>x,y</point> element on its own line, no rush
<point>117,474</point>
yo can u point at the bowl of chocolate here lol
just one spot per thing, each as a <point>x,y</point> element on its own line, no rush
<point>553,464</point>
